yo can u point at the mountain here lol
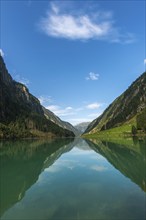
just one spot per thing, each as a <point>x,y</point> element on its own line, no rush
<point>81,127</point>
<point>66,125</point>
<point>21,114</point>
<point>124,108</point>
<point>71,128</point>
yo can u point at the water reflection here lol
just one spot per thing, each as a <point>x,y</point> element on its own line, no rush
<point>129,158</point>
<point>21,164</point>
<point>72,179</point>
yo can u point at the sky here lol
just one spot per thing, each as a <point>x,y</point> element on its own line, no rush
<point>76,57</point>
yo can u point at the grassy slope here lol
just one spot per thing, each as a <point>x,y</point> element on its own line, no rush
<point>123,108</point>
<point>119,135</point>
<point>121,131</point>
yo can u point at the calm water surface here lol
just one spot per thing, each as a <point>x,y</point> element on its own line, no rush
<point>72,180</point>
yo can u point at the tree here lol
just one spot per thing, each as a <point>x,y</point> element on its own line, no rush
<point>141,121</point>
<point>134,130</point>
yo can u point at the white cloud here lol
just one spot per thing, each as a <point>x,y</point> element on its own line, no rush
<point>94,105</point>
<point>2,52</point>
<point>94,24</point>
<point>44,99</point>
<point>57,110</point>
<point>144,61</point>
<point>78,120</point>
<point>94,115</point>
<point>22,80</point>
<point>53,107</point>
<point>92,76</point>
<point>76,115</point>
<point>60,111</point>
<point>69,108</point>
<point>71,27</point>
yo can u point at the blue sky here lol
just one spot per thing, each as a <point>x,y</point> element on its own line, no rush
<point>75,56</point>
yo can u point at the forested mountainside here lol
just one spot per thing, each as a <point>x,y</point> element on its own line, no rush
<point>131,103</point>
<point>21,114</point>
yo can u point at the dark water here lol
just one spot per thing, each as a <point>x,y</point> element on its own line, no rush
<point>72,179</point>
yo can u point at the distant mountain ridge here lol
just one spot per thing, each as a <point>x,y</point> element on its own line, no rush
<point>81,127</point>
<point>123,108</point>
<point>21,114</point>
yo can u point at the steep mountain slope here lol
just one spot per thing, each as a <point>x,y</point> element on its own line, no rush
<point>66,125</point>
<point>70,127</point>
<point>21,114</point>
<point>81,127</point>
<point>125,107</point>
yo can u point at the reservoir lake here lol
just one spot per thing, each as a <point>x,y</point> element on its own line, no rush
<point>73,179</point>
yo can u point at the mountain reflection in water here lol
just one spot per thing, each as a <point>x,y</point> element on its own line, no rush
<point>130,162</point>
<point>85,182</point>
<point>21,164</point>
